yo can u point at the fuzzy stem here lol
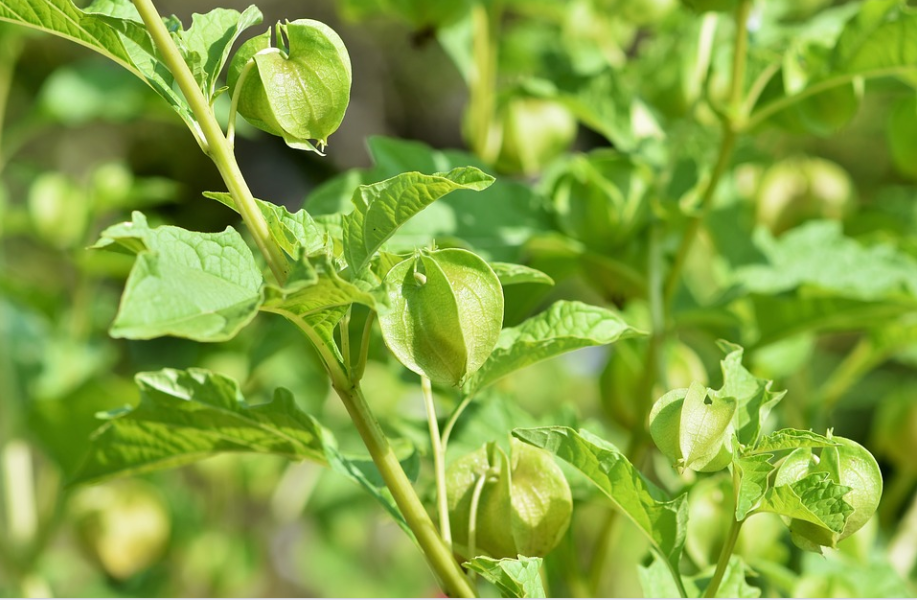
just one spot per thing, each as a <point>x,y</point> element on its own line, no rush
<point>436,551</point>
<point>218,148</point>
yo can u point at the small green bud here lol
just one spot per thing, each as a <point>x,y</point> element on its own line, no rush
<point>693,428</point>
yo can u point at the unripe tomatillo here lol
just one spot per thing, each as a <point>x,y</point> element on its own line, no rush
<point>693,428</point>
<point>524,503</point>
<point>299,92</point>
<point>446,312</point>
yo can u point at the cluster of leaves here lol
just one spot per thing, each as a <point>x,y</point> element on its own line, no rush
<point>457,268</point>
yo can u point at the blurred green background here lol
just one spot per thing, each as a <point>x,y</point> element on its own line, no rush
<point>83,143</point>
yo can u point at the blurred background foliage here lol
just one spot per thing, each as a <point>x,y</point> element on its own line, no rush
<point>596,105</point>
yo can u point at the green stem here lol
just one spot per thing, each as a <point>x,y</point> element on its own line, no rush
<point>786,102</point>
<point>473,515</point>
<point>727,144</point>
<point>862,359</point>
<point>234,105</point>
<point>453,419</point>
<point>600,553</point>
<point>344,327</point>
<point>482,103</point>
<point>436,551</point>
<point>218,148</point>
<point>757,88</point>
<point>360,367</point>
<point>439,462</point>
<point>19,487</point>
<point>726,553</point>
<point>653,372</point>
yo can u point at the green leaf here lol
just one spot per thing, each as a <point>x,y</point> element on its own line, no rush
<point>753,395</point>
<point>790,439</point>
<point>663,521</point>
<point>294,232</point>
<point>62,18</point>
<point>313,287</point>
<point>366,475</point>
<point>814,498</point>
<point>496,222</point>
<point>705,426</point>
<point>779,317</point>
<point>564,327</point>
<point>514,577</point>
<point>656,581</point>
<point>185,416</point>
<point>206,44</point>
<point>512,274</point>
<point>381,208</point>
<point>817,254</point>
<point>753,483</point>
<point>200,286</point>
<point>446,314</point>
<point>882,36</point>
